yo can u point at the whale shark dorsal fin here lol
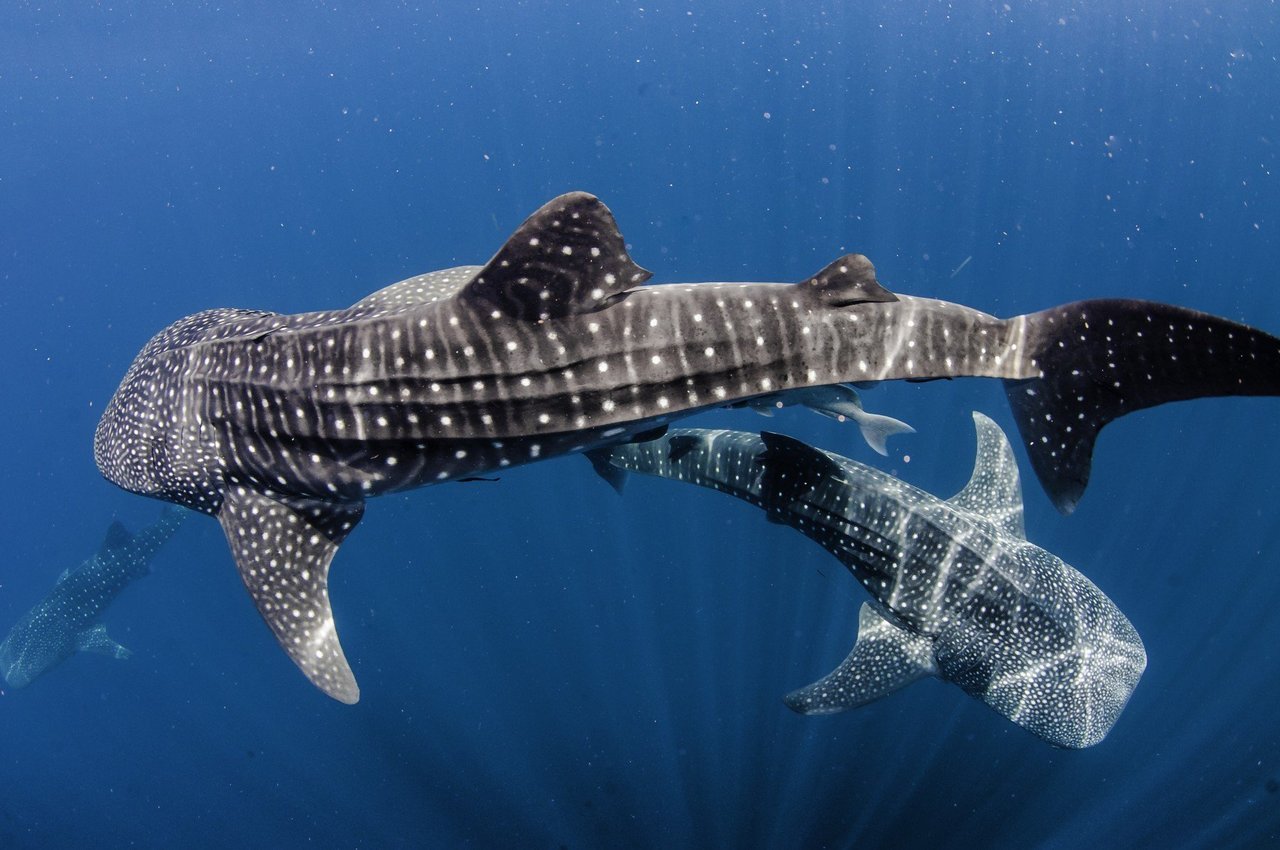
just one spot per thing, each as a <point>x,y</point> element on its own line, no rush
<point>567,258</point>
<point>117,536</point>
<point>283,550</point>
<point>792,470</point>
<point>680,445</point>
<point>851,279</point>
<point>993,490</point>
<point>96,639</point>
<point>885,658</point>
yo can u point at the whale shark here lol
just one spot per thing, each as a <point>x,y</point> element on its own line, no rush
<point>66,621</point>
<point>283,426</point>
<point>957,591</point>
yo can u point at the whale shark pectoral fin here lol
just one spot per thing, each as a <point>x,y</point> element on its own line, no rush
<point>97,640</point>
<point>614,476</point>
<point>567,258</point>
<point>885,658</point>
<point>282,549</point>
<point>993,490</point>
<point>849,280</point>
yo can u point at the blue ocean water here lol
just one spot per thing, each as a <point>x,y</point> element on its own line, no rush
<point>543,663</point>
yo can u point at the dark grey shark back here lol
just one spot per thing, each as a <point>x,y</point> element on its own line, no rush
<point>555,346</point>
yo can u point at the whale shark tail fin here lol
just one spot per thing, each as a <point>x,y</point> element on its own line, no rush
<point>135,550</point>
<point>282,548</point>
<point>886,658</point>
<point>1099,360</point>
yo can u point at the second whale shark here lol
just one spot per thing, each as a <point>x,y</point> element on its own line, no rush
<point>282,426</point>
<point>957,590</point>
<point>67,620</point>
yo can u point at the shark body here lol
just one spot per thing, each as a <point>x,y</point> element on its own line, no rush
<point>957,590</point>
<point>282,426</point>
<point>67,619</point>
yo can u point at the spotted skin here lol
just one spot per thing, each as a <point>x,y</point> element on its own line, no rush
<point>264,533</point>
<point>556,346</point>
<point>66,620</point>
<point>957,591</point>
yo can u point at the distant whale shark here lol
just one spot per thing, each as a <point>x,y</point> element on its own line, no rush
<point>283,425</point>
<point>958,591</point>
<point>67,619</point>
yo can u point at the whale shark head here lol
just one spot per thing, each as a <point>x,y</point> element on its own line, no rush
<point>152,440</point>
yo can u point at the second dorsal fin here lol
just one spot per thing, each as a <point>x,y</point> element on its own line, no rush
<point>567,258</point>
<point>849,280</point>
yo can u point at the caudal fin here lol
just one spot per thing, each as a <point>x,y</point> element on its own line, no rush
<point>1102,359</point>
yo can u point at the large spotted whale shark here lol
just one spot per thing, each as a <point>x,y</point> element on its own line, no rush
<point>958,591</point>
<point>67,620</point>
<point>282,426</point>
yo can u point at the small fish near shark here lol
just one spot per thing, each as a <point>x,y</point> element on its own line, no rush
<point>957,591</point>
<point>282,426</point>
<point>67,620</point>
<point>840,402</point>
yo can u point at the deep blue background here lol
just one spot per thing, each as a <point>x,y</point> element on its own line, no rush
<point>544,664</point>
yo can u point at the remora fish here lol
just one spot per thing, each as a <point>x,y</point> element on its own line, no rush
<point>957,590</point>
<point>282,426</point>
<point>66,620</point>
<point>840,402</point>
